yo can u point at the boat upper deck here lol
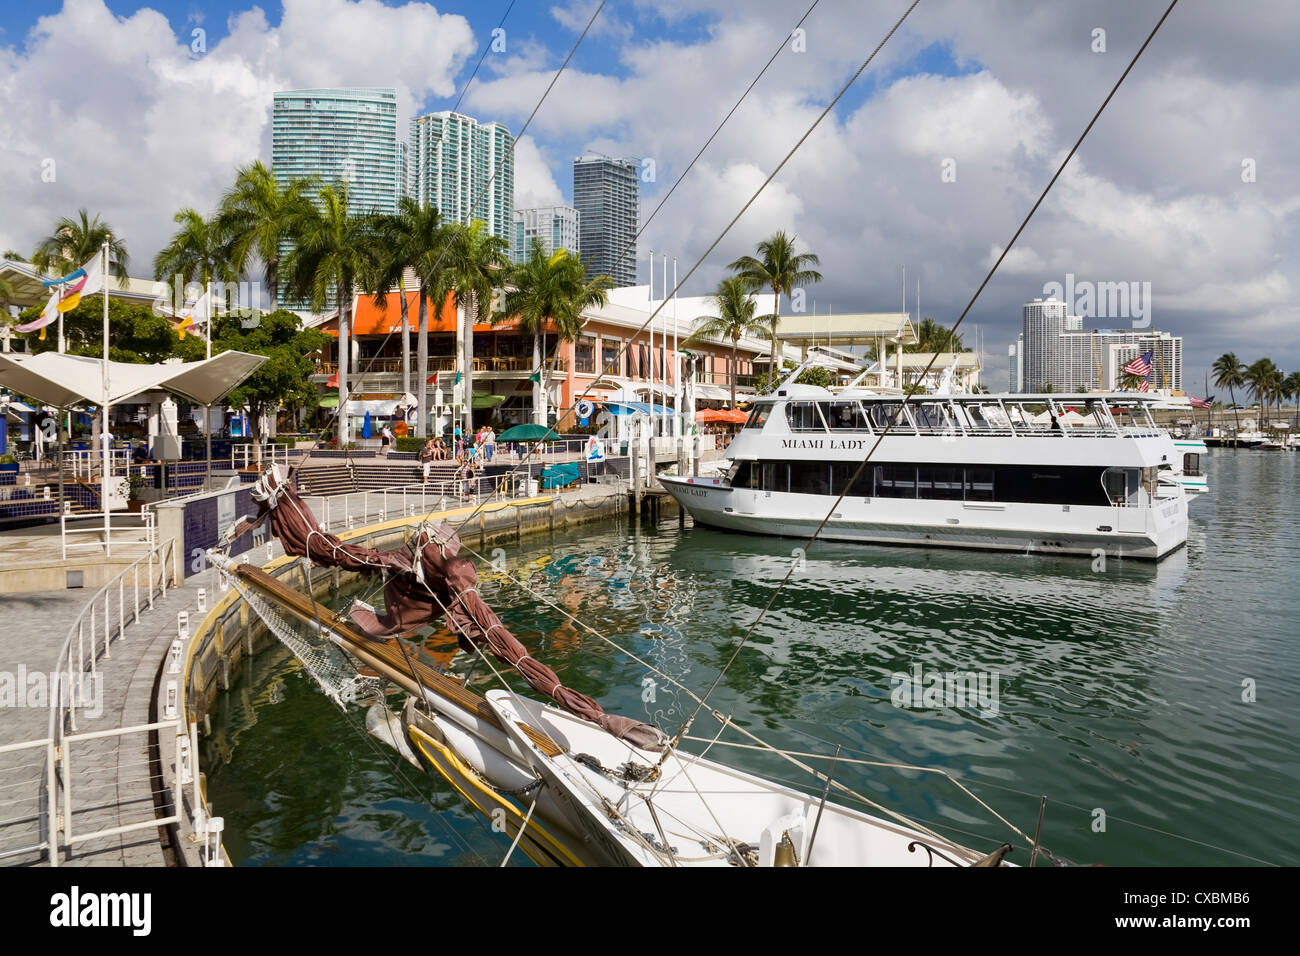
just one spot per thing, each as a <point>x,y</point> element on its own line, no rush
<point>803,409</point>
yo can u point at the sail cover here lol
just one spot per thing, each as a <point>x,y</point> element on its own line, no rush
<point>427,579</point>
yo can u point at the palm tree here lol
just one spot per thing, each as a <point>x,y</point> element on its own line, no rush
<point>549,289</point>
<point>1229,373</point>
<point>334,250</point>
<point>416,237</point>
<point>74,242</point>
<point>1291,388</point>
<point>777,268</point>
<point>258,214</point>
<point>476,265</point>
<point>1130,382</point>
<point>933,337</point>
<point>735,320</point>
<point>197,252</point>
<point>1264,378</point>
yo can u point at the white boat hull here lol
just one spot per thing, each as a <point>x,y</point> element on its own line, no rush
<point>1035,528</point>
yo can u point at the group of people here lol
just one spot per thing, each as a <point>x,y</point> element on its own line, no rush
<point>479,452</point>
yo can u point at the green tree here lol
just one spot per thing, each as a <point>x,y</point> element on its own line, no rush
<point>1229,373</point>
<point>734,321</point>
<point>416,237</point>
<point>477,264</point>
<point>778,268</point>
<point>198,251</point>
<point>75,241</point>
<point>1265,380</point>
<point>549,288</point>
<point>284,379</point>
<point>933,337</point>
<point>1291,390</point>
<point>818,375</point>
<point>334,250</point>
<point>258,214</point>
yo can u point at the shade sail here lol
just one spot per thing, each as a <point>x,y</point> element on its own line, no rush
<point>57,379</point>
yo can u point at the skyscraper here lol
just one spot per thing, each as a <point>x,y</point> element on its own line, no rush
<point>555,226</point>
<point>346,135</point>
<point>1043,355</point>
<point>605,192</point>
<point>464,168</point>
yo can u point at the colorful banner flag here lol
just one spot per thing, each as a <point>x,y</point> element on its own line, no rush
<point>195,315</point>
<point>67,293</point>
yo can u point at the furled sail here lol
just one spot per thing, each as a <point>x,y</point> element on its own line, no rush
<point>420,582</point>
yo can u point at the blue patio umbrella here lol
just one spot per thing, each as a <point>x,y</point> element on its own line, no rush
<point>365,427</point>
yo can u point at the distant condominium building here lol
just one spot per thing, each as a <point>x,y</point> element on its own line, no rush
<point>606,194</point>
<point>465,169</point>
<point>1096,359</point>
<point>1043,322</point>
<point>344,135</point>
<point>555,226</point>
<point>1055,351</point>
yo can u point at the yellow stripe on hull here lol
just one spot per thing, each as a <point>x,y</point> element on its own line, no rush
<point>540,846</point>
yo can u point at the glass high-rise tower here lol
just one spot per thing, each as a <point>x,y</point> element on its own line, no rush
<point>464,168</point>
<point>347,135</point>
<point>605,193</point>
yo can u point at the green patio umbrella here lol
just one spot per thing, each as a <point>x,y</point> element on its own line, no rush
<point>527,433</point>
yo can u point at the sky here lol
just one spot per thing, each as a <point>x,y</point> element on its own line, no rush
<point>1189,185</point>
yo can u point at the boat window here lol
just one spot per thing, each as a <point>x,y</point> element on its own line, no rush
<point>803,417</point>
<point>845,416</point>
<point>747,475</point>
<point>930,416</point>
<point>810,477</point>
<point>941,482</point>
<point>1120,485</point>
<point>896,481</point>
<point>758,416</point>
<point>1191,463</point>
<point>842,473</point>
<point>776,476</point>
<point>979,484</point>
<point>881,414</point>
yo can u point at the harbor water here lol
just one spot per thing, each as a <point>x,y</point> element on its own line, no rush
<point>1156,707</point>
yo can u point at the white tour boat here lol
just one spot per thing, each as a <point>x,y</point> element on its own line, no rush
<point>1064,474</point>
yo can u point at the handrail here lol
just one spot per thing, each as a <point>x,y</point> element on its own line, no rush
<point>64,699</point>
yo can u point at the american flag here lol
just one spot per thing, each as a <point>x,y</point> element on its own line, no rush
<point>1144,386</point>
<point>1140,365</point>
<point>1202,403</point>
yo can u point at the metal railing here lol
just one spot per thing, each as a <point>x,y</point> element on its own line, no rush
<point>245,456</point>
<point>119,530</point>
<point>65,791</point>
<point>355,509</point>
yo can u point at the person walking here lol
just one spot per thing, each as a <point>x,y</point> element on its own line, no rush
<point>489,443</point>
<point>386,439</point>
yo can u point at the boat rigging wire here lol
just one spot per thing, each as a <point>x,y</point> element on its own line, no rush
<point>907,397</point>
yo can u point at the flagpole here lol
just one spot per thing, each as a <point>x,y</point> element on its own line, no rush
<point>104,409</point>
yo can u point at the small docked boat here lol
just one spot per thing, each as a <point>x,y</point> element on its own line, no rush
<point>1060,474</point>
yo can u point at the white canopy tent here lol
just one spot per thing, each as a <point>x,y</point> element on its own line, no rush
<point>61,380</point>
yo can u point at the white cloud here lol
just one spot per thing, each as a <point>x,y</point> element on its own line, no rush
<point>142,127</point>
<point>534,184</point>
